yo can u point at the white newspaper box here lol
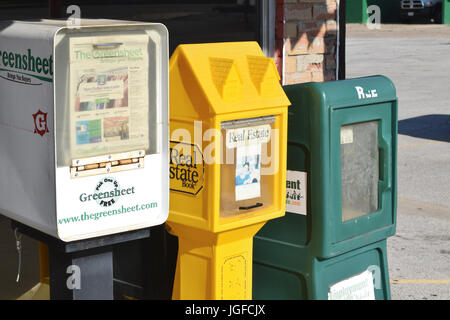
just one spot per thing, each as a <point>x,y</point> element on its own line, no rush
<point>84,126</point>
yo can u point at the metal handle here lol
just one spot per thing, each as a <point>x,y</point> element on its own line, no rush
<point>259,204</point>
<point>385,161</point>
<point>107,45</point>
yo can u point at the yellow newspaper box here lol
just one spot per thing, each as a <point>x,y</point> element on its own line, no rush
<point>228,124</point>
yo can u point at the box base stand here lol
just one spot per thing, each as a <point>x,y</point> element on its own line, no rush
<point>81,270</point>
<point>214,266</point>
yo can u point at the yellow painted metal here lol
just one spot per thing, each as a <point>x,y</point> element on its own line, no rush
<point>214,266</point>
<point>209,85</point>
<point>40,291</point>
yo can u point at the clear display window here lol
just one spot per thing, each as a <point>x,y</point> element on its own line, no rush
<point>109,95</point>
<point>246,182</point>
<point>359,169</point>
<point>106,94</point>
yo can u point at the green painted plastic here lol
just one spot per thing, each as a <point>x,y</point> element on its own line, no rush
<point>299,244</point>
<point>389,10</point>
<point>356,11</point>
<point>445,11</point>
<point>310,279</point>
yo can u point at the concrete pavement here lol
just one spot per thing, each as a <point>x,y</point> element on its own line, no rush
<point>416,58</point>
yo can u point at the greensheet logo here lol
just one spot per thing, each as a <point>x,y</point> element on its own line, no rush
<point>26,62</point>
<point>107,53</point>
<point>107,192</point>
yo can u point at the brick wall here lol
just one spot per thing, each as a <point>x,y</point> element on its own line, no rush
<point>308,29</point>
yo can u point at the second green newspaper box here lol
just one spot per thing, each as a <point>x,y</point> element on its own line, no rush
<point>341,194</point>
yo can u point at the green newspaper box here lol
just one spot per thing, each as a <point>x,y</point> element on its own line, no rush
<point>356,11</point>
<point>341,194</point>
<point>445,11</point>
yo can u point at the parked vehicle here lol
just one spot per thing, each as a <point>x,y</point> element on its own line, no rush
<point>428,10</point>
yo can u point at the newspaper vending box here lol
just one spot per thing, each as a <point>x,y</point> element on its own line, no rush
<point>228,181</point>
<point>84,126</point>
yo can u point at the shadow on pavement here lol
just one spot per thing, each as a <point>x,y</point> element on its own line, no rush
<point>431,126</point>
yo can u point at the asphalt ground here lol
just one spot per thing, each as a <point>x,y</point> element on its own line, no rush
<point>417,59</point>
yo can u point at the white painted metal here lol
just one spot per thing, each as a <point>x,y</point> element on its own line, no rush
<point>36,187</point>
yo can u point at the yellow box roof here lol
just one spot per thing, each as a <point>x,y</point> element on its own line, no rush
<point>229,77</point>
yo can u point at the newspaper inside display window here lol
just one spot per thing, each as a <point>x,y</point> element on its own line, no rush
<point>108,95</point>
